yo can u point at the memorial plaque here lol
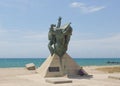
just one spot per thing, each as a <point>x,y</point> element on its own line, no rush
<point>53,69</point>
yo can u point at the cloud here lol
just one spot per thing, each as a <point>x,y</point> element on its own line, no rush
<point>19,43</point>
<point>36,35</point>
<point>23,43</point>
<point>15,35</point>
<point>77,4</point>
<point>86,8</point>
<point>2,31</point>
<point>99,47</point>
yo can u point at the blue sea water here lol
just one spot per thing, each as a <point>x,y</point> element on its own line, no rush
<point>20,62</point>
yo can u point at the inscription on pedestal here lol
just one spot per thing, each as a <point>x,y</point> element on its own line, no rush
<point>53,69</point>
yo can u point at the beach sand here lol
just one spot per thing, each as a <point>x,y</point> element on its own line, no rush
<point>24,77</point>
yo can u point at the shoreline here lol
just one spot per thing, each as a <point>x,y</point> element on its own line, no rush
<point>21,62</point>
<point>79,65</point>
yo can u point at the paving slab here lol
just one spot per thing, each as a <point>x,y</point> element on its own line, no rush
<point>58,81</point>
<point>114,77</point>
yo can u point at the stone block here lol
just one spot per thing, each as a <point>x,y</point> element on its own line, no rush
<point>30,66</point>
<point>58,81</point>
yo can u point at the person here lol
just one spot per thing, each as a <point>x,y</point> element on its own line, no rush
<point>81,72</point>
<point>52,39</point>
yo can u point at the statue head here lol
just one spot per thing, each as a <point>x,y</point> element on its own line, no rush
<point>53,25</point>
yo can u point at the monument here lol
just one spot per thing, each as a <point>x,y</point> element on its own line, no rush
<point>59,63</point>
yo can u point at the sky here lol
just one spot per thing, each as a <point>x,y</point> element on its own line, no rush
<point>24,26</point>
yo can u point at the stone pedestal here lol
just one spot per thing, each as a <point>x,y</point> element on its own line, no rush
<point>53,67</point>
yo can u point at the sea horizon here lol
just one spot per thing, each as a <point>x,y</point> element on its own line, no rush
<point>21,62</point>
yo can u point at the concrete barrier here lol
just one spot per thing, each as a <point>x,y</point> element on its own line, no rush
<point>30,66</point>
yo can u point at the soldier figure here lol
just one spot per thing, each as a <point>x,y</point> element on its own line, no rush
<point>59,38</point>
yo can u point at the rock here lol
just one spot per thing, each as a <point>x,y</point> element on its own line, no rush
<point>30,66</point>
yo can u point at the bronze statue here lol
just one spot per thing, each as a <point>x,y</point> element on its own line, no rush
<point>51,37</point>
<point>59,38</point>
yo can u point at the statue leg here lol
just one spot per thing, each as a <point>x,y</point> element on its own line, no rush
<point>51,48</point>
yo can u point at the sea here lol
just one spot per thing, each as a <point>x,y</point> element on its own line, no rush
<point>21,62</point>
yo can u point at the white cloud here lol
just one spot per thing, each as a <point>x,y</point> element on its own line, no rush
<point>36,35</point>
<point>17,43</point>
<point>100,47</point>
<point>2,31</point>
<point>77,4</point>
<point>94,9</point>
<point>86,8</point>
